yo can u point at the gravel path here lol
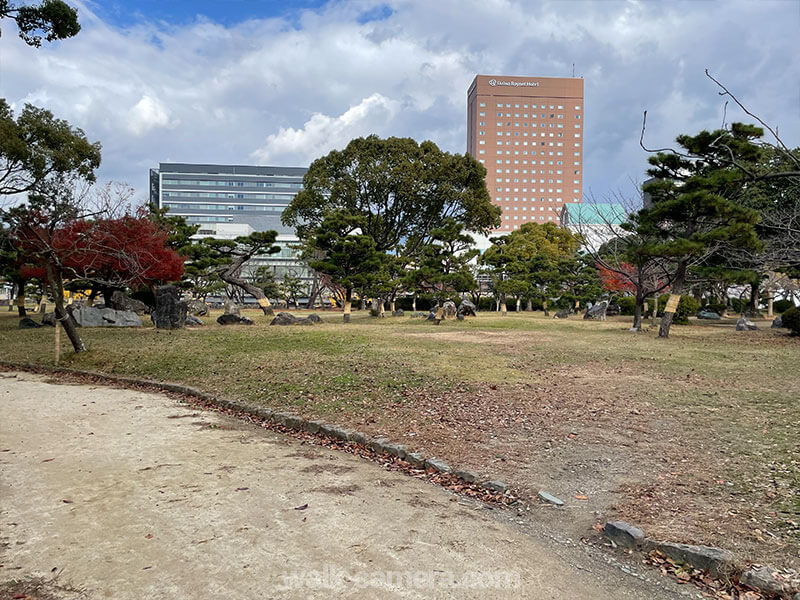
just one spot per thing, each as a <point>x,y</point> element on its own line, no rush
<point>130,495</point>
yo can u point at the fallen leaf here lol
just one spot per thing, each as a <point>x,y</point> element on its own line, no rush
<point>67,501</point>
<point>49,459</point>
<point>241,489</point>
<point>305,506</point>
<point>599,527</point>
<point>149,536</point>
<point>581,497</point>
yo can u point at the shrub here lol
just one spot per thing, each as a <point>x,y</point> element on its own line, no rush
<point>686,306</point>
<point>738,305</point>
<point>791,320</point>
<point>780,306</point>
<point>627,305</point>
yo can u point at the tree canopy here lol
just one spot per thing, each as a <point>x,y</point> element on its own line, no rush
<point>36,146</point>
<point>51,19</point>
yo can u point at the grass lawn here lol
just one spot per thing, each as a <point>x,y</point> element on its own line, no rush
<point>695,438</point>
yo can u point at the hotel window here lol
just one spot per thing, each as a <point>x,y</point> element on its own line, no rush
<point>482,114</point>
<point>577,108</point>
<point>483,104</point>
<point>577,126</point>
<point>500,105</point>
<point>481,152</point>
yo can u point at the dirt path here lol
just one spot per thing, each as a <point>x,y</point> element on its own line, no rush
<point>130,495</point>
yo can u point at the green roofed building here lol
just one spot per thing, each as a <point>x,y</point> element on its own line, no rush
<point>597,223</point>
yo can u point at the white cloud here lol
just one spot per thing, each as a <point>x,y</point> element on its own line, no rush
<point>321,133</point>
<point>148,113</point>
<point>285,91</point>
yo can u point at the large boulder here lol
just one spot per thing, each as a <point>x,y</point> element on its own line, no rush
<point>170,310</point>
<point>449,310</point>
<point>705,313</point>
<point>419,315</point>
<point>597,312</point>
<point>613,310</point>
<point>28,323</point>
<point>90,316</point>
<point>231,319</point>
<point>562,313</point>
<point>49,319</point>
<point>231,308</point>
<point>398,313</point>
<point>285,318</point>
<point>119,301</point>
<point>466,309</point>
<point>743,324</point>
<point>197,308</point>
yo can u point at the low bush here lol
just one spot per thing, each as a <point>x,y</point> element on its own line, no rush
<point>791,320</point>
<point>627,305</point>
<point>780,306</point>
<point>717,307</point>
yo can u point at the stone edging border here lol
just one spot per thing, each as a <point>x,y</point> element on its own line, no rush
<point>437,471</point>
<point>717,562</point>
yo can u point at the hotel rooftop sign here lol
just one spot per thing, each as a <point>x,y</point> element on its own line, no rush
<point>496,82</point>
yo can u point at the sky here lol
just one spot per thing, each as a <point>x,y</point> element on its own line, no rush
<point>283,83</point>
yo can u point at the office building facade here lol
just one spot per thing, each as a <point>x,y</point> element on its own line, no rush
<point>228,201</point>
<point>528,133</point>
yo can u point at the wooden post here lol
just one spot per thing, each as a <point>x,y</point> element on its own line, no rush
<point>58,340</point>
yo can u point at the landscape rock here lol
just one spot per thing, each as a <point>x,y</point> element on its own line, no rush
<point>285,318</point>
<point>597,312</point>
<point>170,310</point>
<point>449,310</point>
<point>437,465</point>
<point>89,316</point>
<point>231,319</point>
<point>714,560</point>
<point>550,499</point>
<point>743,324</point>
<point>49,319</point>
<point>776,323</point>
<point>28,323</point>
<point>192,320</point>
<point>707,314</point>
<point>120,301</point>
<point>231,308</point>
<point>562,313</point>
<point>416,459</point>
<point>432,315</point>
<point>197,308</point>
<point>613,310</point>
<point>419,315</point>
<point>398,313</point>
<point>497,486</point>
<point>466,309</point>
<point>762,578</point>
<point>623,534</point>
<point>465,475</point>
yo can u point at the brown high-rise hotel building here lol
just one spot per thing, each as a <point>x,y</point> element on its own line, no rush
<point>528,133</point>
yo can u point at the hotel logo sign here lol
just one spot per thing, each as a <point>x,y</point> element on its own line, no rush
<point>495,82</point>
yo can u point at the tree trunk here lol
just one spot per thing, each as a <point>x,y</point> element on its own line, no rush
<point>62,316</point>
<point>752,304</point>
<point>228,275</point>
<point>503,308</point>
<point>439,313</point>
<point>638,310</point>
<point>414,302</point>
<point>381,310</point>
<point>546,312</point>
<point>391,306</point>
<point>362,303</point>
<point>348,300</point>
<point>677,289</point>
<point>313,293</point>
<point>21,299</point>
<point>770,307</point>
<point>529,305</point>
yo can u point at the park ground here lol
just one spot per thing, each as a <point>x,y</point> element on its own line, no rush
<point>694,438</point>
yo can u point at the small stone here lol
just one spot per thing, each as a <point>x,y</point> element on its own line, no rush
<point>231,319</point>
<point>378,444</point>
<point>398,313</point>
<point>714,560</point>
<point>192,320</point>
<point>311,426</point>
<point>465,475</point>
<point>417,459</point>
<point>623,534</point>
<point>550,499</point>
<point>562,314</point>
<point>397,450</point>
<point>437,465</point>
<point>495,486</point>
<point>358,438</point>
<point>762,578</point>
<point>744,324</point>
<point>28,323</point>
<point>291,421</point>
<point>776,323</point>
